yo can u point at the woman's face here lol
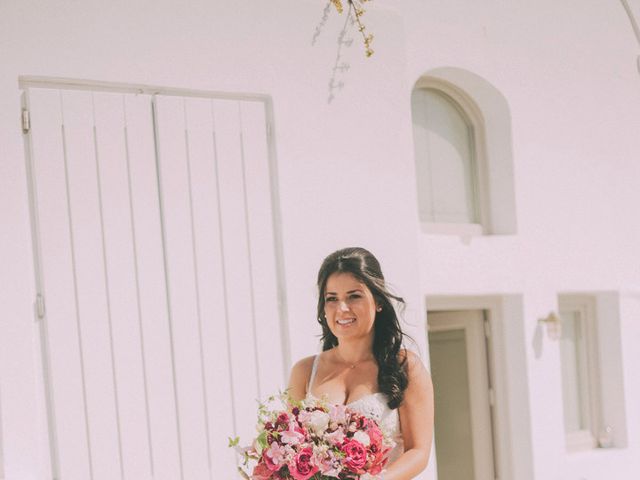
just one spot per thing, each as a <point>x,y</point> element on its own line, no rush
<point>349,306</point>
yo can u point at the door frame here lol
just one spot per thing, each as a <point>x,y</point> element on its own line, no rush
<point>506,358</point>
<point>479,384</point>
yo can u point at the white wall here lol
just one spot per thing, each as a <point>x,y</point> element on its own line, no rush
<point>568,71</point>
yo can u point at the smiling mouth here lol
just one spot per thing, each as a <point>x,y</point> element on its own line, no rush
<point>345,321</point>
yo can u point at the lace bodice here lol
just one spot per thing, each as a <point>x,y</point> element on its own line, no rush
<point>373,406</point>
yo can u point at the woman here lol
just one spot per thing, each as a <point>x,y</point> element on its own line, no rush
<point>362,364</point>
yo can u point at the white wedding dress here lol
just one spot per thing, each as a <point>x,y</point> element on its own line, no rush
<point>373,406</point>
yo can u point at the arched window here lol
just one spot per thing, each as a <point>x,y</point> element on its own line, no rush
<point>448,167</point>
<point>463,153</point>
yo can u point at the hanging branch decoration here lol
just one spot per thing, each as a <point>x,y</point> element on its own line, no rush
<point>356,5</point>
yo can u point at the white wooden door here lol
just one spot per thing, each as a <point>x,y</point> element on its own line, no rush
<point>463,423</point>
<point>155,253</point>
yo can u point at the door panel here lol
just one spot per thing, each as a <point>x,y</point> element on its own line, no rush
<point>151,294</point>
<point>155,240</point>
<point>453,437</point>
<point>120,283</point>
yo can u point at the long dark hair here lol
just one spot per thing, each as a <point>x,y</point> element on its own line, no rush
<point>388,335</point>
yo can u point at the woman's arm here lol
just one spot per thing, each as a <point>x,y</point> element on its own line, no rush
<point>299,377</point>
<point>416,420</point>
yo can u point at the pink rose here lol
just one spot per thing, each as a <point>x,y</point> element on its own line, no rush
<point>301,467</point>
<point>356,456</point>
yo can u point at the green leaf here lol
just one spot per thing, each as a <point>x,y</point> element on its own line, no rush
<point>243,474</point>
<point>262,442</point>
<point>233,441</point>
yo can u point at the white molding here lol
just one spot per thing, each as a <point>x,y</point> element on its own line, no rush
<point>277,232</point>
<point>62,83</point>
<point>602,310</point>
<point>579,441</point>
<point>45,390</point>
<point>460,229</point>
<point>585,305</point>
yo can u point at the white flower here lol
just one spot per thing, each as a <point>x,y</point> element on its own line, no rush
<point>335,438</point>
<point>289,453</point>
<point>318,421</point>
<point>388,442</point>
<point>362,437</point>
<point>338,413</point>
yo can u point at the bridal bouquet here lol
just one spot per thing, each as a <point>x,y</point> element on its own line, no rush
<point>314,440</point>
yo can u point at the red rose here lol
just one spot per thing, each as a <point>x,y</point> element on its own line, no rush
<point>301,467</point>
<point>375,435</point>
<point>268,461</point>
<point>356,456</point>
<point>378,461</point>
<point>282,420</point>
<point>261,472</point>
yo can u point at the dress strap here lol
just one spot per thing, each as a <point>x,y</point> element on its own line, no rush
<point>314,368</point>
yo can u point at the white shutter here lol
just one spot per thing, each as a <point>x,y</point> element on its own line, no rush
<point>445,159</point>
<point>157,253</point>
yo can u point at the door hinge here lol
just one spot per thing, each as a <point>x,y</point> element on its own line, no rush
<point>26,121</point>
<point>39,306</point>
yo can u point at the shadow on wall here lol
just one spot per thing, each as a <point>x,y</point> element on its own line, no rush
<point>340,66</point>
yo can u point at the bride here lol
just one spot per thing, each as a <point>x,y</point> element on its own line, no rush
<point>362,364</point>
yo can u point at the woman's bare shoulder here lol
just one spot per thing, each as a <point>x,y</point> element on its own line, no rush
<point>303,365</point>
<point>413,362</point>
<point>300,373</point>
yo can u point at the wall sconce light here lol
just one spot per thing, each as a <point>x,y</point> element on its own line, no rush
<point>554,325</point>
